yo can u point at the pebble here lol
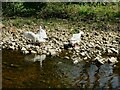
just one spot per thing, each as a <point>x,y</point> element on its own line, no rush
<point>66,57</point>
<point>83,53</point>
<point>114,50</point>
<point>114,42</point>
<point>52,52</point>
<point>12,47</point>
<point>85,58</point>
<point>98,47</point>
<point>109,51</point>
<point>28,46</point>
<point>113,60</point>
<point>102,61</point>
<point>44,51</point>
<point>90,46</point>
<point>23,49</point>
<point>25,52</point>
<point>34,52</point>
<point>75,61</point>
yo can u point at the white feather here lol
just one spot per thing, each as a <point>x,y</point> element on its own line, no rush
<point>76,38</point>
<point>40,36</point>
<point>30,35</point>
<point>42,33</point>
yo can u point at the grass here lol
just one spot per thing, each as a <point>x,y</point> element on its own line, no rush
<point>76,12</point>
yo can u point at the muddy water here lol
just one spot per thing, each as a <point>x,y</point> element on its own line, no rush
<point>21,71</point>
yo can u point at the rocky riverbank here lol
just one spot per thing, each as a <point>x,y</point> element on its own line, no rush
<point>93,46</point>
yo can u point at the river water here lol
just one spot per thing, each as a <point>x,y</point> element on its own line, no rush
<point>40,71</point>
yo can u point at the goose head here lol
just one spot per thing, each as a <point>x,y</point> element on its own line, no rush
<point>40,28</point>
<point>81,33</point>
<point>42,34</point>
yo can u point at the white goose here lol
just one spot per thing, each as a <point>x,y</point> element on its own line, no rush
<point>76,38</point>
<point>72,42</point>
<point>41,36</point>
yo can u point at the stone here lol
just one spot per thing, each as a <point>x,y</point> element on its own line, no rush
<point>23,49</point>
<point>34,52</point>
<point>66,57</point>
<point>104,49</point>
<point>85,58</point>
<point>83,53</point>
<point>52,52</point>
<point>113,60</point>
<point>104,39</point>
<point>48,53</point>
<point>114,42</point>
<point>109,51</point>
<point>59,50</point>
<point>90,45</point>
<point>25,52</point>
<point>3,47</point>
<point>1,26</point>
<point>114,50</point>
<point>48,47</point>
<point>99,59</point>
<point>37,47</point>
<point>97,47</point>
<point>12,47</point>
<point>75,61</point>
<point>13,43</point>
<point>44,51</point>
<point>28,46</point>
<point>96,34</point>
<point>88,55</point>
<point>1,43</point>
<point>77,47</point>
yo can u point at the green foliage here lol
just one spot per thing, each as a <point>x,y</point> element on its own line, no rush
<point>75,11</point>
<point>22,9</point>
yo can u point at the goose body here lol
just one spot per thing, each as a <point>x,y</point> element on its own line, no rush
<point>76,37</point>
<point>72,42</point>
<point>31,36</point>
<point>39,37</point>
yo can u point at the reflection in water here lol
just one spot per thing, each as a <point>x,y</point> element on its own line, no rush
<point>115,82</point>
<point>106,70</point>
<point>91,72</point>
<point>34,58</point>
<point>106,74</point>
<point>55,73</point>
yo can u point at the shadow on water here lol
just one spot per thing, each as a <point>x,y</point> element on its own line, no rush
<point>36,71</point>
